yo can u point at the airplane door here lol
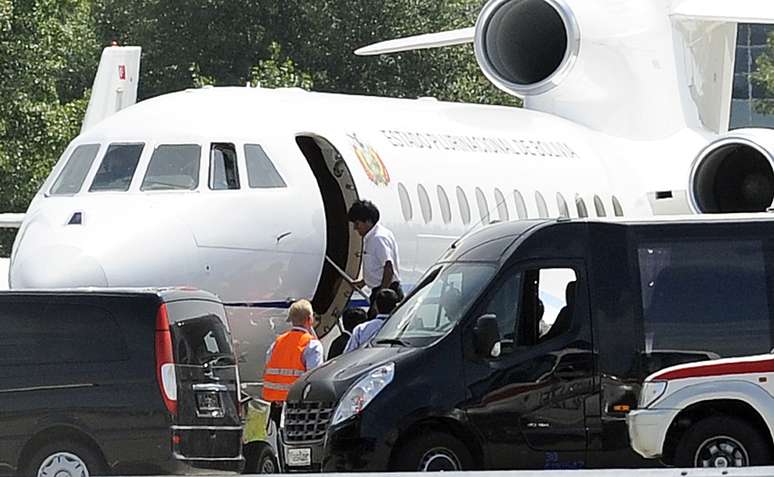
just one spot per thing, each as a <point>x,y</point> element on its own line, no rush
<point>528,401</point>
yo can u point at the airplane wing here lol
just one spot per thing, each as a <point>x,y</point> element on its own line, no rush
<point>115,85</point>
<point>419,42</point>
<point>739,11</point>
<point>11,221</point>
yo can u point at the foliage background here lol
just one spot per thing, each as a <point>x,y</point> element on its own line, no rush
<point>49,51</point>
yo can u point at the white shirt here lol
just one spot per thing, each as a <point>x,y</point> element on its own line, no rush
<point>379,247</point>
<point>312,355</point>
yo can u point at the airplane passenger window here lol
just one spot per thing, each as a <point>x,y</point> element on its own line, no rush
<point>541,205</point>
<point>74,172</point>
<point>405,203</point>
<point>224,174</point>
<point>564,211</point>
<point>581,206</point>
<point>173,167</point>
<point>617,209</point>
<point>117,168</point>
<point>521,207</point>
<point>462,200</point>
<point>261,173</point>
<point>443,199</point>
<point>599,206</point>
<point>424,204</point>
<point>483,207</point>
<point>502,207</point>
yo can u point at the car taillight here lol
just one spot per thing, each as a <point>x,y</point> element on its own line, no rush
<point>165,361</point>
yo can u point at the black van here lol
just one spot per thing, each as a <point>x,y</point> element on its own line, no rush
<point>524,347</point>
<point>116,381</point>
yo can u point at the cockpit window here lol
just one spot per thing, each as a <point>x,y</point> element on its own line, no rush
<point>74,172</point>
<point>261,173</point>
<point>117,168</point>
<point>173,167</point>
<point>224,174</point>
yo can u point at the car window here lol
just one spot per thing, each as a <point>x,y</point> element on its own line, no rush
<point>433,310</point>
<point>199,333</point>
<point>38,334</point>
<point>709,307</point>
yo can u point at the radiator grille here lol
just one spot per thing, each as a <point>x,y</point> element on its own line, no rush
<point>307,421</point>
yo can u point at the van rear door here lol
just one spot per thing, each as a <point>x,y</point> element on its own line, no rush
<point>208,423</point>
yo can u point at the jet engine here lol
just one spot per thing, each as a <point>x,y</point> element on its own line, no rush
<point>734,174</point>
<point>526,47</point>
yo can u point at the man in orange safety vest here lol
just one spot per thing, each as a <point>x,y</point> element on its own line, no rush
<point>291,355</point>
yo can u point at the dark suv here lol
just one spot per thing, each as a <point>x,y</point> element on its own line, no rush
<point>116,381</point>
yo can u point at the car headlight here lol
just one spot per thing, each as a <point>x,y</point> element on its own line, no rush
<point>651,391</point>
<point>363,392</point>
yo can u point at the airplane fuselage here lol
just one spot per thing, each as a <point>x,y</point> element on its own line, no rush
<point>244,192</point>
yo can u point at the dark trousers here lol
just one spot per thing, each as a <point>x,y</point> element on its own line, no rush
<point>394,286</point>
<point>275,414</point>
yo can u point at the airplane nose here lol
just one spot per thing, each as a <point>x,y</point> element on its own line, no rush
<point>57,267</point>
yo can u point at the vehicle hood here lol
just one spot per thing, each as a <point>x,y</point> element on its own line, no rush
<point>329,382</point>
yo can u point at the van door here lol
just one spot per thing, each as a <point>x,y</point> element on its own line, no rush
<point>208,418</point>
<point>527,398</point>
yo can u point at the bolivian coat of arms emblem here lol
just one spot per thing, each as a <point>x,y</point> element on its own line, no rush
<point>371,162</point>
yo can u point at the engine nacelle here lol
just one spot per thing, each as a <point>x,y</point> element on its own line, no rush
<point>734,174</point>
<point>526,47</point>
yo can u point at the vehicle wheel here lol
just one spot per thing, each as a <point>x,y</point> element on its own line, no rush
<point>433,452</point>
<point>65,459</point>
<point>722,442</point>
<point>260,459</point>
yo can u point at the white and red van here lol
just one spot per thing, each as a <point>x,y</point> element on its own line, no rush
<point>716,413</point>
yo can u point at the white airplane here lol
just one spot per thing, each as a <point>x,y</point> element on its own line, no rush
<point>244,191</point>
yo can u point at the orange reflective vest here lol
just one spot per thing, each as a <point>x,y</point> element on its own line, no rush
<point>285,364</point>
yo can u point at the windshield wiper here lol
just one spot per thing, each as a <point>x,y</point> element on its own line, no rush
<point>223,359</point>
<point>392,341</point>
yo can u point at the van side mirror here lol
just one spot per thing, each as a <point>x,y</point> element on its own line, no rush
<point>487,336</point>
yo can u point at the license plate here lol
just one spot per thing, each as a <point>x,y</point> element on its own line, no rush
<point>300,457</point>
<point>208,404</point>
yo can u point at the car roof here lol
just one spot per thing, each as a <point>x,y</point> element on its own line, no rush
<point>167,294</point>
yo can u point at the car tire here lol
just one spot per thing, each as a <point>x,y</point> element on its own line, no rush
<point>722,442</point>
<point>260,459</point>
<point>433,452</point>
<point>69,458</point>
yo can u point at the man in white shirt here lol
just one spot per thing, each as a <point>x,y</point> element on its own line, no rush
<point>380,252</point>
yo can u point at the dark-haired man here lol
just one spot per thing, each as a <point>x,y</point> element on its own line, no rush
<point>384,303</point>
<point>349,320</point>
<point>380,252</point>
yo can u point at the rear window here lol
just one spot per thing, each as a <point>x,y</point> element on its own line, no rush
<point>173,167</point>
<point>74,172</point>
<point>117,168</point>
<point>199,333</point>
<point>704,299</point>
<point>37,334</point>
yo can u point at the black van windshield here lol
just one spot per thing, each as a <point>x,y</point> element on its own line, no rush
<point>433,310</point>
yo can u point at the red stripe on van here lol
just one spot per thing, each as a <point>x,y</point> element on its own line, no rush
<point>719,369</point>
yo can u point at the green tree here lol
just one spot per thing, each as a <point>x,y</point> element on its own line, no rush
<point>48,51</point>
<point>764,77</point>
<point>321,37</point>
<point>230,42</point>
